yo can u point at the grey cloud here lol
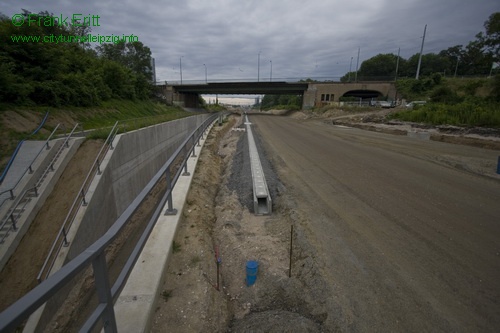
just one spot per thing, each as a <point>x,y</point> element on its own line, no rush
<point>315,38</point>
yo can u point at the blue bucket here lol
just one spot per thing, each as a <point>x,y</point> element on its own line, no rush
<point>252,269</point>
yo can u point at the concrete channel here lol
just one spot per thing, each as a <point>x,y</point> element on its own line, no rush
<point>261,197</point>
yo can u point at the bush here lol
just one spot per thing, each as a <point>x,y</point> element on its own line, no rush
<point>471,112</point>
<point>444,95</point>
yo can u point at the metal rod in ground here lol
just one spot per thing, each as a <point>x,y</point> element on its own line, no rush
<point>217,260</point>
<point>291,248</point>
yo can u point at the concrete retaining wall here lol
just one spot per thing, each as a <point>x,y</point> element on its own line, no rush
<point>126,169</point>
<point>136,158</point>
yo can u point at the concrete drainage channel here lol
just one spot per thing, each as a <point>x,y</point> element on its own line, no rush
<point>261,199</point>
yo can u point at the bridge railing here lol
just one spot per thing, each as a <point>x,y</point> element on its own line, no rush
<point>95,254</point>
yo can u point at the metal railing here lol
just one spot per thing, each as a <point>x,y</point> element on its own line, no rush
<point>95,254</point>
<point>4,173</point>
<point>15,212</point>
<point>61,238</point>
<point>28,169</point>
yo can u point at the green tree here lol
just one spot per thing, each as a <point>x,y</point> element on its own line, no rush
<point>491,39</point>
<point>379,67</point>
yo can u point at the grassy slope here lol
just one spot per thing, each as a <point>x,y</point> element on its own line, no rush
<point>474,110</point>
<point>130,114</point>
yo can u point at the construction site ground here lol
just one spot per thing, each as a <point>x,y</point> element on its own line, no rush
<point>219,219</point>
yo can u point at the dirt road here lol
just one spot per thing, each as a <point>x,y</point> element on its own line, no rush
<point>407,231</point>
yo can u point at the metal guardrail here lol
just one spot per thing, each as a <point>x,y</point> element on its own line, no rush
<point>61,238</point>
<point>4,173</point>
<point>15,212</point>
<point>29,168</point>
<point>20,197</point>
<point>261,199</point>
<point>95,254</point>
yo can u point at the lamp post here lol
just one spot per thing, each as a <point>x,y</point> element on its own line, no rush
<point>271,75</point>
<point>180,65</point>
<point>206,81</point>
<point>357,67</point>
<point>350,69</point>
<point>258,67</point>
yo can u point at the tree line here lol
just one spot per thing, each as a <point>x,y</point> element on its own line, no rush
<point>478,58</point>
<point>69,74</point>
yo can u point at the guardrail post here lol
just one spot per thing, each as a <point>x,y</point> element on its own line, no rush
<point>104,293</point>
<point>36,191</point>
<point>83,198</point>
<point>98,167</point>
<point>31,170</point>
<point>11,194</point>
<point>186,172</point>
<point>13,221</point>
<point>65,238</point>
<point>170,210</point>
<point>194,149</point>
<point>48,146</point>
<point>51,166</point>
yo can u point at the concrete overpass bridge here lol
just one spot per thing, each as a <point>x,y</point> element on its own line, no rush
<point>315,94</point>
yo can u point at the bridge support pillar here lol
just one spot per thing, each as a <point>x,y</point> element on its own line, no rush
<point>309,98</point>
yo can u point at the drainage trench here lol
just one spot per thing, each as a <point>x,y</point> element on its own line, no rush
<point>261,197</point>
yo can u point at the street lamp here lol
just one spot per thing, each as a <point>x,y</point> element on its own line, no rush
<point>180,65</point>
<point>258,68</point>
<point>206,81</point>
<point>271,75</point>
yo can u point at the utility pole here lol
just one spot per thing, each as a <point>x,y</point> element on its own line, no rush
<point>420,56</point>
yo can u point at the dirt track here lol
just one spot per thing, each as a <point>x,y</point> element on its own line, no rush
<point>406,231</point>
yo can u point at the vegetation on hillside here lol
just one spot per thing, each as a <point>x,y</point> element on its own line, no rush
<point>461,102</point>
<point>68,73</point>
<point>284,102</point>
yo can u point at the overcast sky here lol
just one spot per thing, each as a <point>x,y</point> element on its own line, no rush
<point>302,38</point>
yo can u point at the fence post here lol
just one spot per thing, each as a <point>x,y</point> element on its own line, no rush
<point>170,210</point>
<point>194,147</point>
